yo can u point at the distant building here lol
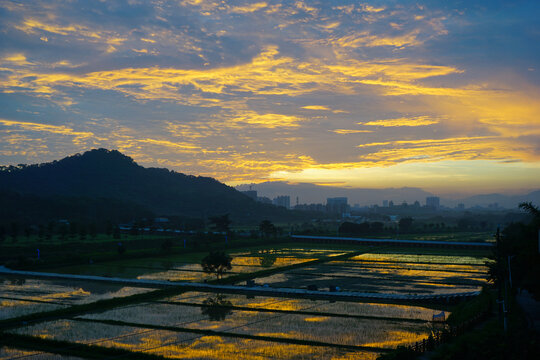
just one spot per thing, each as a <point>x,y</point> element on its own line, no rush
<point>337,205</point>
<point>385,203</point>
<point>283,200</point>
<point>390,203</point>
<point>264,200</point>
<point>461,206</point>
<point>251,193</point>
<point>416,204</point>
<point>433,202</point>
<point>311,207</point>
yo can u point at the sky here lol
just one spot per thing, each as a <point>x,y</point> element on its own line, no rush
<point>442,95</point>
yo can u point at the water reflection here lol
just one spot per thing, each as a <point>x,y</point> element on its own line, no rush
<point>216,307</point>
<point>267,258</point>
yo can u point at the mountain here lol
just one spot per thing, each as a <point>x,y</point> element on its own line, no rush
<point>104,174</point>
<point>506,201</point>
<point>311,193</point>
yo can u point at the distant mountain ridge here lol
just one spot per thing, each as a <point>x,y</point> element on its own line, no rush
<point>110,174</point>
<point>311,193</point>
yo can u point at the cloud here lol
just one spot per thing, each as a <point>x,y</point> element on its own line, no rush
<point>56,129</point>
<point>350,131</point>
<point>248,8</point>
<point>316,107</point>
<point>403,121</point>
<point>246,90</point>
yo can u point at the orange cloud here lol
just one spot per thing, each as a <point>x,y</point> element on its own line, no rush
<point>403,121</point>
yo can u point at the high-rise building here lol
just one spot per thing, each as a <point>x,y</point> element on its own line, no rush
<point>385,203</point>
<point>433,202</point>
<point>337,205</point>
<point>283,200</point>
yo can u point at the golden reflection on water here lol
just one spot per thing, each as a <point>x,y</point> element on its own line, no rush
<point>279,261</point>
<point>316,319</point>
<point>415,258</point>
<point>397,337</point>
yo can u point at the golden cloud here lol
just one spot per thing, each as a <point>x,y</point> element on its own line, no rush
<point>349,131</point>
<point>403,121</point>
<point>365,39</point>
<point>249,8</point>
<point>316,107</point>
<point>56,129</point>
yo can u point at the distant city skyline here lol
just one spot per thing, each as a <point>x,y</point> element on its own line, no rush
<point>316,194</point>
<point>439,95</point>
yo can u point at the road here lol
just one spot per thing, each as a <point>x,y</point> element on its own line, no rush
<point>247,290</point>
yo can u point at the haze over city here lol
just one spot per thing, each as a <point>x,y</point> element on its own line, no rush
<point>437,95</point>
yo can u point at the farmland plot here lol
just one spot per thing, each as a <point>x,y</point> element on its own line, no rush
<point>390,273</point>
<point>262,322</point>
<point>11,353</point>
<point>187,267</point>
<point>185,345</point>
<point>323,306</point>
<point>25,296</point>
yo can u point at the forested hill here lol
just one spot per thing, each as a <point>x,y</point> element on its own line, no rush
<point>104,174</point>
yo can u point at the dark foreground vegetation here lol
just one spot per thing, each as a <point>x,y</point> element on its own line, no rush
<point>504,331</point>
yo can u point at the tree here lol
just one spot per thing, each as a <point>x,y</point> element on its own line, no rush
<point>267,258</point>
<point>517,254</point>
<point>14,231</point>
<point>121,248</point>
<point>116,232</point>
<point>166,246</point>
<point>217,262</point>
<point>220,223</point>
<point>405,224</point>
<point>267,228</point>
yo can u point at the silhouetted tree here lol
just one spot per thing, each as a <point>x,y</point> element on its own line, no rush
<point>121,248</point>
<point>376,227</point>
<point>405,224</point>
<point>108,228</point>
<point>267,258</point>
<point>217,262</point>
<point>220,223</point>
<point>116,232</point>
<point>82,232</point>
<point>267,229</point>
<point>92,230</point>
<point>518,247</point>
<point>51,227</point>
<point>73,227</point>
<point>166,245</point>
<point>63,231</point>
<point>41,232</point>
<point>14,231</point>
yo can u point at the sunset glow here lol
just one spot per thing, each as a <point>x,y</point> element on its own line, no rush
<point>438,95</point>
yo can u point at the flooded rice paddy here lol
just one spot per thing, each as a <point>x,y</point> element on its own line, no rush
<point>205,325</point>
<point>187,267</point>
<point>391,273</point>
<point>19,296</point>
